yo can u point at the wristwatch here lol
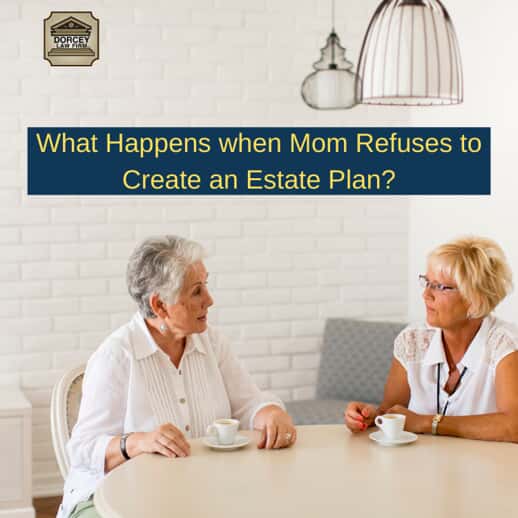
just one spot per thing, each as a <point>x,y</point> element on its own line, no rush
<point>435,423</point>
<point>124,452</point>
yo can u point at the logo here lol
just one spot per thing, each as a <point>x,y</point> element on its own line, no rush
<point>71,38</point>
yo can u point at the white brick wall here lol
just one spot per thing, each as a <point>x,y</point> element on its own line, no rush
<point>279,266</point>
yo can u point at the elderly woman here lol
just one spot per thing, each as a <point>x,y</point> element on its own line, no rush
<point>163,377</point>
<point>458,375</point>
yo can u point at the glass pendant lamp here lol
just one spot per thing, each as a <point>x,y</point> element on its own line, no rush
<point>410,56</point>
<point>333,84</point>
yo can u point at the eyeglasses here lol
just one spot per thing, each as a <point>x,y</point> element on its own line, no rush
<point>435,286</point>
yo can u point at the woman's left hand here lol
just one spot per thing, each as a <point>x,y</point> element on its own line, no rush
<point>276,426</point>
<point>416,423</point>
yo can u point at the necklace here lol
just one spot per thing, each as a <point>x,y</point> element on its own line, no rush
<point>452,392</point>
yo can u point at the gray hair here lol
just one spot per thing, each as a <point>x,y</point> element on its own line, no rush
<point>158,265</point>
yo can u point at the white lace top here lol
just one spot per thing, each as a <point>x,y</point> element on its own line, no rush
<point>420,349</point>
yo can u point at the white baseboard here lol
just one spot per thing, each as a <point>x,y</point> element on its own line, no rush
<point>43,488</point>
<point>21,512</point>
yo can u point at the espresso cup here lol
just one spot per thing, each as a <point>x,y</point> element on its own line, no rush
<point>223,431</point>
<point>392,425</point>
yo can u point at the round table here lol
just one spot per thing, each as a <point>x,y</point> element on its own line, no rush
<point>329,472</point>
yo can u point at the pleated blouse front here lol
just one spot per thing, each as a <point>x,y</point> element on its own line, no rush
<point>130,385</point>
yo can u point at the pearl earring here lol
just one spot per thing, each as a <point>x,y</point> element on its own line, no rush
<point>163,328</point>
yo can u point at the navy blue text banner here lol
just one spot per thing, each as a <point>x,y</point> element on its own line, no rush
<point>259,161</point>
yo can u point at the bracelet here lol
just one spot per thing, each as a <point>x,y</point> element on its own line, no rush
<point>123,440</point>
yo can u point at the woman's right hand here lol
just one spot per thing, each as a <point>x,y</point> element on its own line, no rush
<point>359,416</point>
<point>167,440</point>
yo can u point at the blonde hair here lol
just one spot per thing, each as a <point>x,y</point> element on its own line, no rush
<point>479,267</point>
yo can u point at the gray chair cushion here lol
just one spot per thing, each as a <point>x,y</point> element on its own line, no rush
<point>356,357</point>
<point>328,411</point>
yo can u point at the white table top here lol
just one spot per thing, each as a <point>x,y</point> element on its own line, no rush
<point>329,472</point>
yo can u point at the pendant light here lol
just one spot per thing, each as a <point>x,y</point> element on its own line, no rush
<point>410,56</point>
<point>333,84</point>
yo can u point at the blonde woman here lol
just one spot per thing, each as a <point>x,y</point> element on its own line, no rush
<point>458,375</point>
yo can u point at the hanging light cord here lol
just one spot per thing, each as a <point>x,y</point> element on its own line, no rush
<point>332,64</point>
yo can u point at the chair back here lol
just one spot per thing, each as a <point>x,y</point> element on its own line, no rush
<point>356,357</point>
<point>64,409</point>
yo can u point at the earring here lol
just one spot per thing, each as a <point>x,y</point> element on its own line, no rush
<point>163,328</point>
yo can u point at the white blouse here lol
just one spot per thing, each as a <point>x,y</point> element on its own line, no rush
<point>130,384</point>
<point>420,349</point>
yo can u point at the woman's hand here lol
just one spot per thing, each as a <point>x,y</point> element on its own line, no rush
<point>359,416</point>
<point>416,423</point>
<point>276,426</point>
<point>167,440</point>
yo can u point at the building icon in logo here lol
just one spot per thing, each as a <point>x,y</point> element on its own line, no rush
<point>71,38</point>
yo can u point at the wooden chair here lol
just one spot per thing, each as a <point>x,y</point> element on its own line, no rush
<point>64,409</point>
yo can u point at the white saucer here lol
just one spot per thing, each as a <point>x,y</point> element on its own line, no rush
<point>239,442</point>
<point>404,438</point>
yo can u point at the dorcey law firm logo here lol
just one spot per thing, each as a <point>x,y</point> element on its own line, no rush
<point>71,38</point>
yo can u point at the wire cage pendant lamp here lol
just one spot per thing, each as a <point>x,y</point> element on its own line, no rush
<point>332,86</point>
<point>410,56</point>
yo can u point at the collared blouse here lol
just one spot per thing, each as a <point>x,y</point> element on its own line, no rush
<point>420,349</point>
<point>130,384</point>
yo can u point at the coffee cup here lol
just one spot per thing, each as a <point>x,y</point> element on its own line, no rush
<point>392,425</point>
<point>223,431</point>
